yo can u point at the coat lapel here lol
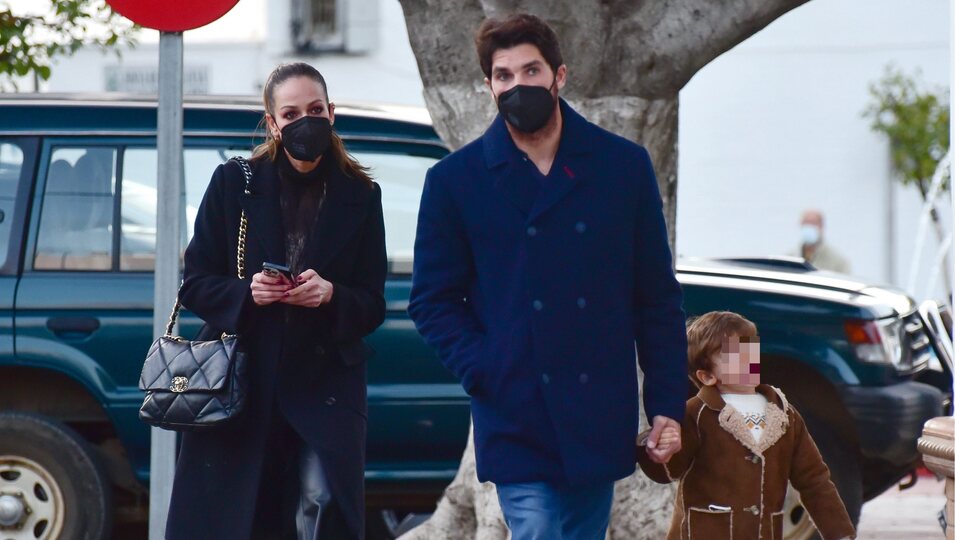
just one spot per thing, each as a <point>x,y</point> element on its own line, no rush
<point>571,163</point>
<point>520,187</point>
<point>520,190</point>
<point>777,419</point>
<point>561,181</point>
<point>264,213</point>
<point>503,161</point>
<point>342,215</point>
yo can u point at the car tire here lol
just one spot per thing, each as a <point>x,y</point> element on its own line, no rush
<point>845,473</point>
<point>51,481</point>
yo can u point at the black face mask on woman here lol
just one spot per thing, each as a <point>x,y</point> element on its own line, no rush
<point>307,138</point>
<point>527,108</point>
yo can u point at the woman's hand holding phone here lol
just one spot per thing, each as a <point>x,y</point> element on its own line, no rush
<point>312,290</point>
<point>271,284</point>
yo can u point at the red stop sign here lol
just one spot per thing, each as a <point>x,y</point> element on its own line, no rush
<point>172,15</point>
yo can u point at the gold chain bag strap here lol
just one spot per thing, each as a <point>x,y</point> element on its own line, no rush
<point>196,385</point>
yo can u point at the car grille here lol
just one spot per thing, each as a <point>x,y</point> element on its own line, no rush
<point>916,345</point>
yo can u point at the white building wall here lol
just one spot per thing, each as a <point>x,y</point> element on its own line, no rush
<point>239,50</point>
<point>774,126</point>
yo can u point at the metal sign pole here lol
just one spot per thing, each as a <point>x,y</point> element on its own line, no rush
<point>162,459</point>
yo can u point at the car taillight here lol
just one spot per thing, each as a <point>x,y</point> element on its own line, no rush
<point>876,341</point>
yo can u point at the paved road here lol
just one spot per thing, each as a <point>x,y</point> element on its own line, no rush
<point>905,515</point>
<point>894,515</point>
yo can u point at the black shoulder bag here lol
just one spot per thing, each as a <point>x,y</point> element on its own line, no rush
<point>196,385</point>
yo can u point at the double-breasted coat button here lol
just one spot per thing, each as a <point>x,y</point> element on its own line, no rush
<point>330,401</point>
<point>538,305</point>
<point>583,378</point>
<point>581,226</point>
<point>753,510</point>
<point>581,302</point>
<point>532,231</point>
<point>545,378</point>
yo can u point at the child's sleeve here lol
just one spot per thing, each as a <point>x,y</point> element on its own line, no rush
<point>673,470</point>
<point>809,475</point>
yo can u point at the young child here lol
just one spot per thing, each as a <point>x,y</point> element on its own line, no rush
<point>742,442</point>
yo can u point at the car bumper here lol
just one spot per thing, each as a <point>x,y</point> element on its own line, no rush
<point>889,419</point>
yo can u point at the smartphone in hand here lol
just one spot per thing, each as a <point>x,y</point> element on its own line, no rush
<point>275,270</point>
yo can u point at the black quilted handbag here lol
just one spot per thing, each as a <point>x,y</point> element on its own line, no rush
<point>196,385</point>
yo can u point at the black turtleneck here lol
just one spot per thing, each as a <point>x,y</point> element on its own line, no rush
<point>301,196</point>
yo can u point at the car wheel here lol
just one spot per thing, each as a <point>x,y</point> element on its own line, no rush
<point>51,485</point>
<point>845,473</point>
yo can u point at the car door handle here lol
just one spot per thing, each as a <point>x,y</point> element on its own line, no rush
<point>72,327</point>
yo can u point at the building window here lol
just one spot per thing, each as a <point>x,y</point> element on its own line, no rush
<point>318,25</point>
<point>334,26</point>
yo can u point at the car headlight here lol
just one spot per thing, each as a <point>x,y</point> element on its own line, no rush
<point>876,341</point>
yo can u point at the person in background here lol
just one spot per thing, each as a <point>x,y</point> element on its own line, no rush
<point>814,250</point>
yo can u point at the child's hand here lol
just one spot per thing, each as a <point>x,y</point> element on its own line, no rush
<point>664,439</point>
<point>670,435</point>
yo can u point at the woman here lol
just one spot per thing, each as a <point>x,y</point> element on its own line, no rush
<point>292,464</point>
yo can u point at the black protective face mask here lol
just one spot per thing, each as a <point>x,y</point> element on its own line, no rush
<point>527,108</point>
<point>307,138</point>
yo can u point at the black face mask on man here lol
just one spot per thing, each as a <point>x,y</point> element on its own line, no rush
<point>527,108</point>
<point>307,138</point>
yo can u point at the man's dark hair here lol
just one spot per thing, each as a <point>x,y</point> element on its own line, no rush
<point>512,31</point>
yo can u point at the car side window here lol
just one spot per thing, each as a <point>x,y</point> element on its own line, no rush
<point>401,177</point>
<point>77,210</point>
<point>11,166</point>
<point>138,200</point>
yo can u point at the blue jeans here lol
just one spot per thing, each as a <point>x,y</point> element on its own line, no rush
<point>542,511</point>
<point>314,495</point>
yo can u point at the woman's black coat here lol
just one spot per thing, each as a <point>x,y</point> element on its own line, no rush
<point>321,387</point>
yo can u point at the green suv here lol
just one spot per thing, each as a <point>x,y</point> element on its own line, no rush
<point>864,364</point>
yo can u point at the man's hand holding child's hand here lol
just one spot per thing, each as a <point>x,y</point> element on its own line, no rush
<point>664,439</point>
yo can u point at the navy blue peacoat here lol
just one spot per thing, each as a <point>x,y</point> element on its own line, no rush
<point>533,291</point>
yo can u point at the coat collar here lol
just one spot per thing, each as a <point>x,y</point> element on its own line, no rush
<point>712,398</point>
<point>575,138</point>
<point>777,417</point>
<point>505,161</point>
<point>341,216</point>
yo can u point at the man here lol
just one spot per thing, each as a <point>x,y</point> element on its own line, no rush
<point>541,256</point>
<point>820,255</point>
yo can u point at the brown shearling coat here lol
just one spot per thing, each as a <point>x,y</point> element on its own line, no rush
<point>732,487</point>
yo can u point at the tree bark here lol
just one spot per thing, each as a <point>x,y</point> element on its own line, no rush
<point>627,61</point>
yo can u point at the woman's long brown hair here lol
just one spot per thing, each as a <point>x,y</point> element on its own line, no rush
<point>271,146</point>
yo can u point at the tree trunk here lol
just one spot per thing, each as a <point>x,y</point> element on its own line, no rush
<point>654,124</point>
<point>627,61</point>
